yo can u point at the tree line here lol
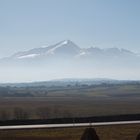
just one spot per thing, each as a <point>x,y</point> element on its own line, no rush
<point>19,113</point>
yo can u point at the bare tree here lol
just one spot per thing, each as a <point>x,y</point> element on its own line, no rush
<point>43,112</point>
<point>56,111</point>
<point>20,114</point>
<point>4,115</point>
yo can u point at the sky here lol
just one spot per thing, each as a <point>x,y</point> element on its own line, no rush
<point>26,24</point>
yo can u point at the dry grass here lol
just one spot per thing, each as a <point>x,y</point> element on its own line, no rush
<point>114,132</point>
<point>76,106</point>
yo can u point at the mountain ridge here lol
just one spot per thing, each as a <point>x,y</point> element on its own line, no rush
<point>66,59</point>
<point>69,47</point>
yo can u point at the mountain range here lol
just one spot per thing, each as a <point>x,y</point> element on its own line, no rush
<point>67,60</point>
<point>69,49</point>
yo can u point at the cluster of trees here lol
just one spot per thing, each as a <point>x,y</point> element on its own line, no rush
<point>43,91</point>
<point>16,113</point>
<point>22,92</point>
<point>19,113</point>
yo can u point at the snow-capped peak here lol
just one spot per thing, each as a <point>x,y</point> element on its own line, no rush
<point>65,46</point>
<point>65,42</point>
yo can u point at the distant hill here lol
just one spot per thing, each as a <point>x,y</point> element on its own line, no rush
<point>70,82</point>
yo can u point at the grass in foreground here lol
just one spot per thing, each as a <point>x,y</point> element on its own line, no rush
<point>114,132</point>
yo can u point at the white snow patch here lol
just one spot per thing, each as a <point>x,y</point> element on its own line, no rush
<point>51,51</point>
<point>28,56</point>
<point>83,53</point>
<point>65,42</point>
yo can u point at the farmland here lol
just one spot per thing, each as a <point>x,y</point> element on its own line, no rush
<point>42,102</point>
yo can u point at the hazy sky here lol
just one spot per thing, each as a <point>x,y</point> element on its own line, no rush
<point>26,24</point>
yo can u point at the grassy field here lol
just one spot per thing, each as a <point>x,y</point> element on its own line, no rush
<point>74,102</point>
<point>114,132</point>
<point>66,107</point>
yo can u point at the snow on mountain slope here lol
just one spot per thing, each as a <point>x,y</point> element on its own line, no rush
<point>65,47</point>
<point>67,60</point>
<point>69,49</point>
<point>28,56</point>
